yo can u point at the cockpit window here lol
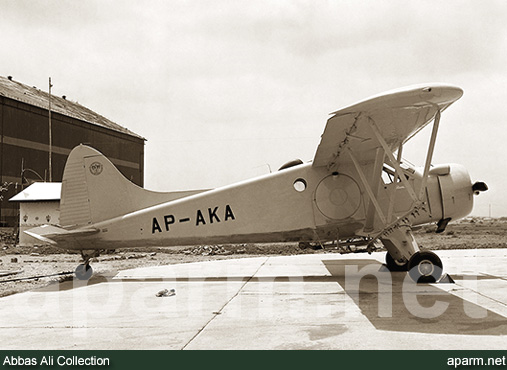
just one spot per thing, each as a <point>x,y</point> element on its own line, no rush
<point>388,173</point>
<point>409,169</point>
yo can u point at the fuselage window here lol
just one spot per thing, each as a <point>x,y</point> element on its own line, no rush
<point>300,185</point>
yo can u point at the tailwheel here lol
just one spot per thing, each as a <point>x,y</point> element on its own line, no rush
<point>395,265</point>
<point>425,267</point>
<point>84,271</point>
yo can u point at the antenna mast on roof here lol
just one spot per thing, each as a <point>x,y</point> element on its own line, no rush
<point>50,138</point>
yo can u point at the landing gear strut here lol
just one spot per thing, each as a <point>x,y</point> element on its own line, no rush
<point>84,271</point>
<point>425,267</point>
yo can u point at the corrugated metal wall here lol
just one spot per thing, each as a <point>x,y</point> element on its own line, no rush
<point>24,138</point>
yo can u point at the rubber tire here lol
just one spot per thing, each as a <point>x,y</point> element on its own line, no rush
<point>425,267</point>
<point>83,272</point>
<point>392,265</point>
<point>304,245</point>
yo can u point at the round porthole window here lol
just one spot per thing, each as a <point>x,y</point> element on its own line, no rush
<point>300,185</point>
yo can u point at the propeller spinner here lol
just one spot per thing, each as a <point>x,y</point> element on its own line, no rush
<point>479,187</point>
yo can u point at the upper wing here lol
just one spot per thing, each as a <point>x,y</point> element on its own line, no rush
<point>399,115</point>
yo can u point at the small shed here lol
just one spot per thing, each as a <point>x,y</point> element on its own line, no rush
<point>39,204</point>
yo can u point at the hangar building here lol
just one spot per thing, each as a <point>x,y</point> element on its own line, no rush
<point>24,141</point>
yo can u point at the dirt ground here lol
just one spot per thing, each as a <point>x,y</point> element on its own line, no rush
<point>470,233</point>
<point>51,265</point>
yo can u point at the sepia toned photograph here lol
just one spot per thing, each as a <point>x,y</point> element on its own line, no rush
<point>252,175</point>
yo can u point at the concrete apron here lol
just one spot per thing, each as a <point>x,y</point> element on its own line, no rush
<point>320,301</point>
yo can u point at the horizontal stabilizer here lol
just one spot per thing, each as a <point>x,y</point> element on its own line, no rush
<point>53,234</point>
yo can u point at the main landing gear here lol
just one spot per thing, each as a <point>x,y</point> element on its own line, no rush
<point>422,267</point>
<point>425,267</point>
<point>84,271</point>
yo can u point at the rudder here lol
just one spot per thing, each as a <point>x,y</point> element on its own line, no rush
<point>74,203</point>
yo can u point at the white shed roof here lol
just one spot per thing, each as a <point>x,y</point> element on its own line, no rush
<point>39,191</point>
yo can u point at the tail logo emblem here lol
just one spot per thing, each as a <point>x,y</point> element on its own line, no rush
<point>96,168</point>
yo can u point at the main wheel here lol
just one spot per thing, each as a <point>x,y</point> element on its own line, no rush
<point>83,272</point>
<point>394,265</point>
<point>425,267</point>
<point>304,245</point>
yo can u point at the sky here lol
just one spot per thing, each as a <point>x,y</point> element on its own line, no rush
<point>227,90</point>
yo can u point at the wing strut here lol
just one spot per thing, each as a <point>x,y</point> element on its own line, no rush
<point>391,226</point>
<point>394,162</point>
<point>369,191</point>
<point>429,155</point>
<point>376,177</point>
<point>406,219</point>
<point>393,194</point>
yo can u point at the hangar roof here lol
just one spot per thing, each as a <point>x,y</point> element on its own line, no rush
<point>39,191</point>
<point>31,95</point>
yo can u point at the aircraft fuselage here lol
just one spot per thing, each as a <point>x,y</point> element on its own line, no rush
<point>302,203</point>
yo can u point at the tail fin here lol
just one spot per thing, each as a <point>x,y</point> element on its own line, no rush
<point>93,190</point>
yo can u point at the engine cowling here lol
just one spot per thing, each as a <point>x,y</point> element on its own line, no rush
<point>457,192</point>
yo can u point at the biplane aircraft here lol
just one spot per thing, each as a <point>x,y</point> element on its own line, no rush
<point>357,191</point>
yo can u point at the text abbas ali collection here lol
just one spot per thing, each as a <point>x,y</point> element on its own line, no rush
<point>55,361</point>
